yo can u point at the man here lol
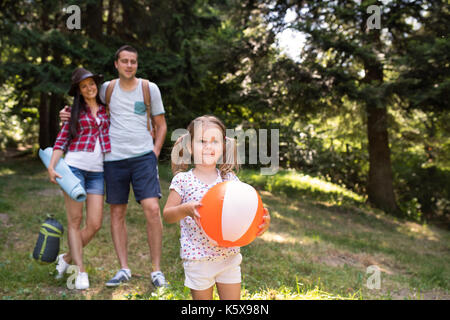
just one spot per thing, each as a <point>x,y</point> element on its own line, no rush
<point>133,159</point>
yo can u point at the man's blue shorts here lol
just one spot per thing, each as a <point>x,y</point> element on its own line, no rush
<point>141,172</point>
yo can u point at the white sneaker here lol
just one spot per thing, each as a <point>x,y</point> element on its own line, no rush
<point>82,281</point>
<point>61,266</point>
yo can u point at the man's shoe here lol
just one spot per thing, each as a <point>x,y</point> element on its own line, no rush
<point>158,279</point>
<point>122,275</point>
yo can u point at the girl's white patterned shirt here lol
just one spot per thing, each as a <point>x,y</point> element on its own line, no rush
<point>195,244</point>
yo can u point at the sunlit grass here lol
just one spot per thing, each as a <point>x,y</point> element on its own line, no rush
<point>285,293</point>
<point>6,171</point>
<point>293,183</point>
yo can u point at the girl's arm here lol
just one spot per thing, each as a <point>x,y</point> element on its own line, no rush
<point>174,210</point>
<point>56,155</point>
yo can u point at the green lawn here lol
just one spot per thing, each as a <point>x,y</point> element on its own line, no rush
<point>320,243</point>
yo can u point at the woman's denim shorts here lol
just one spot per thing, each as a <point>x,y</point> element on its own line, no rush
<point>91,181</point>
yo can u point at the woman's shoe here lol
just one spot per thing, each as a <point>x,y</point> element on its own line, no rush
<point>82,281</point>
<point>61,266</point>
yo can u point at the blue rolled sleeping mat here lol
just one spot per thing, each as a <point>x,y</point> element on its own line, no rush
<point>69,182</point>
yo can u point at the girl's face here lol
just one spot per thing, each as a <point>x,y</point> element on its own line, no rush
<point>88,89</point>
<point>208,146</point>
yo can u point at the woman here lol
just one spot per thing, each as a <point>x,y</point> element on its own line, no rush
<point>85,139</point>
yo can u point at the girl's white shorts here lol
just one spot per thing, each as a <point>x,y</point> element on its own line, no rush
<point>201,275</point>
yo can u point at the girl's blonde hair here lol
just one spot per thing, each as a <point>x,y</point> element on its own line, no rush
<point>180,161</point>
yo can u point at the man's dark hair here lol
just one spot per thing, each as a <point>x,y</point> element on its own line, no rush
<point>124,48</point>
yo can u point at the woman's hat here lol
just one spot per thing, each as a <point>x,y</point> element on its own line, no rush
<point>78,75</point>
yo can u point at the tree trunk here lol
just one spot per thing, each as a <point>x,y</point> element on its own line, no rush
<point>94,20</point>
<point>56,103</point>
<point>109,24</point>
<point>380,185</point>
<point>44,136</point>
<point>44,132</point>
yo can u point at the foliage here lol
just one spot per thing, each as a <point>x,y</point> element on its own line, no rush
<point>221,57</point>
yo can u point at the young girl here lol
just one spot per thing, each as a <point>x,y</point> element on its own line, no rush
<point>205,264</point>
<point>85,137</point>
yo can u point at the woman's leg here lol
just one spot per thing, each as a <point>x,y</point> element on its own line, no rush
<point>229,291</point>
<point>94,208</point>
<point>94,217</point>
<point>74,217</point>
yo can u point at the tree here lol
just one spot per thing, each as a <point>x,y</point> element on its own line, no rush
<point>39,52</point>
<point>348,60</point>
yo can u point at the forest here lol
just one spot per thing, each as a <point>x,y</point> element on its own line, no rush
<point>363,103</point>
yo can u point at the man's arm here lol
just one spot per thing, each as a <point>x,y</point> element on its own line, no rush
<point>161,129</point>
<point>64,114</point>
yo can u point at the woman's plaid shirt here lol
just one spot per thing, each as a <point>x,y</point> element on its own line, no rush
<point>87,133</point>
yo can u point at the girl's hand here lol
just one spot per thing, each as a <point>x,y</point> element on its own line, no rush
<point>191,210</point>
<point>53,175</point>
<point>266,222</point>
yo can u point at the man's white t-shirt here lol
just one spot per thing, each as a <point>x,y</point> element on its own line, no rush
<point>128,129</point>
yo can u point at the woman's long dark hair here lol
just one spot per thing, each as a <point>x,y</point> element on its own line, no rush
<point>78,105</point>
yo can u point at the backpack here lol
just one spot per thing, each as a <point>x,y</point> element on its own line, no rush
<point>147,102</point>
<point>47,245</point>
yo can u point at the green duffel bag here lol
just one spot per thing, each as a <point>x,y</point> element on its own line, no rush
<point>47,244</point>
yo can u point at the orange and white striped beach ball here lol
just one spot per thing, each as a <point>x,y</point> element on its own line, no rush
<point>230,214</point>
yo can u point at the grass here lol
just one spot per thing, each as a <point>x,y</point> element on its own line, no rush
<point>320,243</point>
<point>294,184</point>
